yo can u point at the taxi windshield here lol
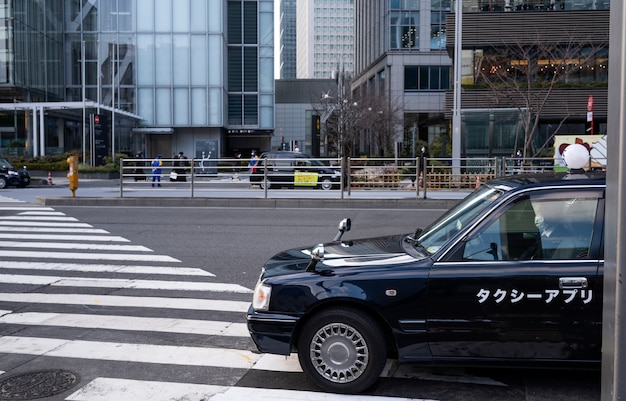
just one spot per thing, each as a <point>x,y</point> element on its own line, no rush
<point>438,233</point>
<point>5,163</point>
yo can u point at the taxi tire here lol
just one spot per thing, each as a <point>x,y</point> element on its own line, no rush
<point>3,182</point>
<point>326,184</point>
<point>265,184</point>
<point>353,339</point>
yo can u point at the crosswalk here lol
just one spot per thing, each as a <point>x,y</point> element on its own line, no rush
<point>135,324</point>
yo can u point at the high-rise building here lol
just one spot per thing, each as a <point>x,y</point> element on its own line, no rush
<point>325,37</point>
<point>287,46</point>
<point>400,55</point>
<point>161,76</point>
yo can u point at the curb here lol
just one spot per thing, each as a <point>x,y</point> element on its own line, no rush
<point>253,203</point>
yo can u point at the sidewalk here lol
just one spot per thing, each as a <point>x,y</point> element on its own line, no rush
<point>106,192</point>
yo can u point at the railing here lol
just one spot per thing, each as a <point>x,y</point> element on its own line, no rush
<point>354,174</point>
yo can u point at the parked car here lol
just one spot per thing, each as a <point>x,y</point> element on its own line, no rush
<point>510,276</point>
<point>294,170</point>
<point>9,175</point>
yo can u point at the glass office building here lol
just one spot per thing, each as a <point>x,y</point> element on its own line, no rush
<point>163,75</point>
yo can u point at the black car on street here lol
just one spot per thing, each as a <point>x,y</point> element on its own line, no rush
<point>278,169</point>
<point>511,276</point>
<point>9,175</point>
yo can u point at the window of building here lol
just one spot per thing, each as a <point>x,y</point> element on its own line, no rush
<point>426,78</point>
<point>439,10</point>
<point>404,24</point>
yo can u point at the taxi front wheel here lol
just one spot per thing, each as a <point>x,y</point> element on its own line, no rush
<point>342,350</point>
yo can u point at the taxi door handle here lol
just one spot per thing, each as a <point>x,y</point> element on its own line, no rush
<point>572,282</point>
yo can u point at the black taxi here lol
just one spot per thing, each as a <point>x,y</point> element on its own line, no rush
<point>510,276</point>
<point>278,169</point>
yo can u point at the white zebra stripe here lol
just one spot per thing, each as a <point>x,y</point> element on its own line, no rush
<point>65,237</point>
<point>127,302</point>
<point>102,268</point>
<point>55,281</point>
<point>21,208</point>
<point>42,213</point>
<point>127,323</point>
<point>106,389</point>
<point>73,245</point>
<point>123,352</point>
<point>53,230</point>
<point>42,224</point>
<point>87,256</point>
<point>8,200</point>
<point>37,218</point>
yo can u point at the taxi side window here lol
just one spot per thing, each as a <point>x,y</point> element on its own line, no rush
<point>536,229</point>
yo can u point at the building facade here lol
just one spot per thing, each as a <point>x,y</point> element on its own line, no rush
<point>543,62</point>
<point>404,51</point>
<point>400,54</point>
<point>161,75</point>
<point>325,38</point>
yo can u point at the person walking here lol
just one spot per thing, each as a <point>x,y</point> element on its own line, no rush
<point>183,163</point>
<point>156,165</point>
<point>423,160</point>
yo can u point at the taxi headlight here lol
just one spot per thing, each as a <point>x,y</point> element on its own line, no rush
<point>261,298</point>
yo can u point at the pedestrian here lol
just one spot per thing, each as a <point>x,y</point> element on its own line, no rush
<point>423,160</point>
<point>254,161</point>
<point>518,161</point>
<point>138,173</point>
<point>156,165</point>
<point>237,167</point>
<point>182,167</point>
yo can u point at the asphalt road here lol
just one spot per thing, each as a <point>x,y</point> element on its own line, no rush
<point>232,243</point>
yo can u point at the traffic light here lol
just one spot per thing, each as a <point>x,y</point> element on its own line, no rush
<point>72,175</point>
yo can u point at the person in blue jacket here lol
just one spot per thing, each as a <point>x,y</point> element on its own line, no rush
<point>156,170</point>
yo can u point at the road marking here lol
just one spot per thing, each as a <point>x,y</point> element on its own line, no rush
<point>42,224</point>
<point>75,245</point>
<point>89,256</point>
<point>124,352</point>
<point>127,323</point>
<point>7,199</point>
<point>42,213</point>
<point>65,237</point>
<point>54,230</point>
<point>19,208</point>
<point>106,389</point>
<point>37,218</point>
<point>102,268</point>
<point>127,302</point>
<point>57,281</point>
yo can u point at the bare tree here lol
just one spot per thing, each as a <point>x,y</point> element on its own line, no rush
<point>524,74</point>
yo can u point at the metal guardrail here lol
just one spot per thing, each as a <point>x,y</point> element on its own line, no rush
<point>401,174</point>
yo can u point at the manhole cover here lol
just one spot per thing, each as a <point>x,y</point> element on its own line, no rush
<point>33,385</point>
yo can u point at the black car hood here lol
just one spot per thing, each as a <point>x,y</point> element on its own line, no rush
<point>375,252</point>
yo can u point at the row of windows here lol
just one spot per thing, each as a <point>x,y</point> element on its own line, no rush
<point>334,47</point>
<point>334,38</point>
<point>334,2</point>
<point>426,78</point>
<point>333,11</point>
<point>334,28</point>
<point>334,20</point>
<point>333,56</point>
